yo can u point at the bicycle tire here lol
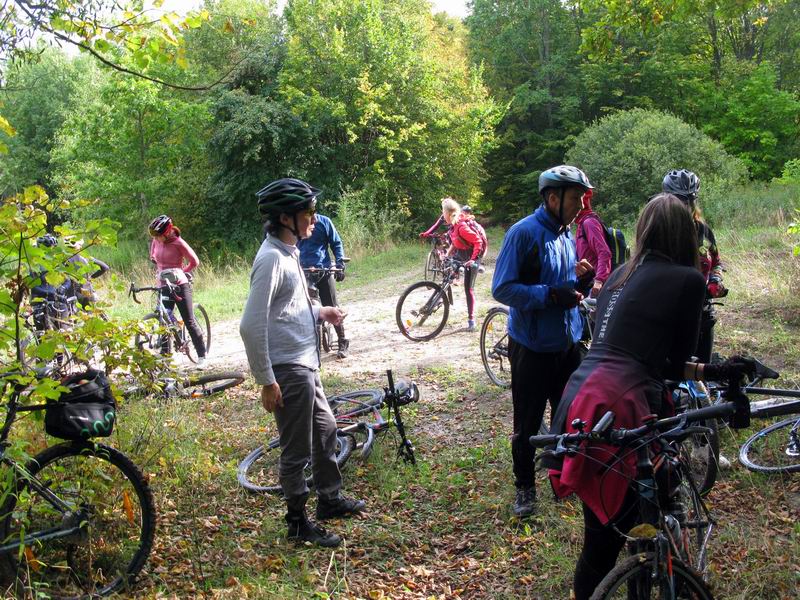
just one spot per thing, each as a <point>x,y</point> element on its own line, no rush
<point>433,266</point>
<point>184,340</point>
<point>701,450</point>
<point>201,386</point>
<point>258,472</point>
<point>781,402</point>
<point>638,569</point>
<point>495,358</point>
<point>423,306</point>
<point>121,520</point>
<point>151,341</point>
<point>325,336</point>
<point>756,458</point>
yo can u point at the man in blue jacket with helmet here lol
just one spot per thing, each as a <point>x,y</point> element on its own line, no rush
<point>538,277</point>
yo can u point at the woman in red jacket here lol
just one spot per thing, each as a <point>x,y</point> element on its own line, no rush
<point>466,245</point>
<point>175,260</point>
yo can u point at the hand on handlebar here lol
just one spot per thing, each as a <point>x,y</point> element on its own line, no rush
<point>734,368</point>
<point>339,275</point>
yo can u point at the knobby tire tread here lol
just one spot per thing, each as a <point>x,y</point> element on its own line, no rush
<point>435,289</point>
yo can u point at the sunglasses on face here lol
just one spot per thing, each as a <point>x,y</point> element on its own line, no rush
<point>310,212</point>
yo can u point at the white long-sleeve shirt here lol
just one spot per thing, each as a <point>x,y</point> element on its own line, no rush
<point>278,326</point>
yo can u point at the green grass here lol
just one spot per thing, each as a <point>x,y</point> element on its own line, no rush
<point>444,528</point>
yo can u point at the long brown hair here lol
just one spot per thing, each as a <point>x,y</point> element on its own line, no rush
<point>665,227</point>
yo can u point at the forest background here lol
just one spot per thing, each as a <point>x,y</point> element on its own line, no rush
<point>388,108</point>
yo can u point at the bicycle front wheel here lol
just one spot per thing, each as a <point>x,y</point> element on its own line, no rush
<point>632,579</point>
<point>108,501</point>
<point>701,450</point>
<point>494,347</point>
<point>258,472</point>
<point>208,385</point>
<point>422,311</point>
<point>774,449</point>
<point>184,341</point>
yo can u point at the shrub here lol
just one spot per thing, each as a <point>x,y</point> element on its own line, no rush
<point>627,154</point>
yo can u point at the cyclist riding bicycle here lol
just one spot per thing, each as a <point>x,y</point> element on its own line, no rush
<point>278,329</point>
<point>648,319</point>
<point>314,253</point>
<point>538,276</point>
<point>175,260</point>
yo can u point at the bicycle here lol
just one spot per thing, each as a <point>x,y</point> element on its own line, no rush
<point>325,337</point>
<point>163,328</point>
<point>51,313</point>
<point>494,341</point>
<point>359,421</point>
<point>440,243</point>
<point>423,307</point>
<point>77,520</point>
<point>702,448</point>
<point>191,386</point>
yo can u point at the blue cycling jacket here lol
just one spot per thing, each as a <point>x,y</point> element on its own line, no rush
<point>533,257</point>
<point>314,250</point>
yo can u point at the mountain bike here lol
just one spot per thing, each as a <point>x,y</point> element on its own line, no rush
<point>77,520</point>
<point>434,261</point>
<point>191,386</point>
<point>701,449</point>
<point>325,338</point>
<point>423,307</point>
<point>359,421</point>
<point>53,313</point>
<point>494,341</point>
<point>163,330</point>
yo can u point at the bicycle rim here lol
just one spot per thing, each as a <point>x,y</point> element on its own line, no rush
<point>494,347</point>
<point>700,451</point>
<point>118,523</point>
<point>258,472</point>
<point>150,340</point>
<point>207,385</point>
<point>632,579</point>
<point>774,449</point>
<point>325,336</point>
<point>422,311</point>
<point>432,267</point>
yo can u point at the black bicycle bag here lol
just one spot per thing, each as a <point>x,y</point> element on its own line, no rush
<point>86,411</point>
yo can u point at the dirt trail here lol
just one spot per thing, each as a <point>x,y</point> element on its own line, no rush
<point>376,344</point>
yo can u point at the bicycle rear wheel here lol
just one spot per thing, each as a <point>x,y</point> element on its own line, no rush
<point>632,579</point>
<point>494,347</point>
<point>184,341</point>
<point>108,499</point>
<point>422,311</point>
<point>701,450</point>
<point>258,472</point>
<point>207,385</point>
<point>150,338</point>
<point>433,266</point>
<point>774,449</point>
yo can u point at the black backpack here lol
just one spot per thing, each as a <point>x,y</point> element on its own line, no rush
<point>86,411</point>
<point>615,240</point>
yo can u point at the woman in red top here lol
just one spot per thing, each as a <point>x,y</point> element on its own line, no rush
<point>175,260</point>
<point>591,243</point>
<point>465,245</point>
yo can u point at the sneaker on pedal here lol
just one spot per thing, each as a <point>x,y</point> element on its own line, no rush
<point>344,349</point>
<point>303,529</point>
<point>341,506</point>
<point>525,502</point>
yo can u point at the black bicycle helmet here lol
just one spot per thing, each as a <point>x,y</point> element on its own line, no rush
<point>563,176</point>
<point>159,225</point>
<point>466,209</point>
<point>288,196</point>
<point>683,184</point>
<point>48,240</point>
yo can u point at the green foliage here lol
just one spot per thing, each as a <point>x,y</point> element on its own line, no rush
<point>754,120</point>
<point>794,229</point>
<point>626,156</point>
<point>791,172</point>
<point>751,205</point>
<point>39,97</point>
<point>137,149</point>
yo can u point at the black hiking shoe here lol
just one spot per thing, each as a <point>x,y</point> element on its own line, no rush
<point>341,506</point>
<point>525,503</point>
<point>303,529</point>
<point>344,348</point>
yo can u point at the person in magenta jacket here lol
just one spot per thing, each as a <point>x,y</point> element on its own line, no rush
<point>175,260</point>
<point>590,240</point>
<point>466,246</point>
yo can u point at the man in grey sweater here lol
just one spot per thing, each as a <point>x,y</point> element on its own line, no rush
<point>278,329</point>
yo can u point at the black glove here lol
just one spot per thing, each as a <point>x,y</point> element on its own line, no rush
<point>733,368</point>
<point>565,296</point>
<point>585,281</point>
<point>339,275</point>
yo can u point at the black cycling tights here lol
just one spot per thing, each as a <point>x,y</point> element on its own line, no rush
<point>601,546</point>
<point>186,308</point>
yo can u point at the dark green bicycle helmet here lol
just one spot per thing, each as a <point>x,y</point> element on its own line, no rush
<point>48,240</point>
<point>288,196</point>
<point>563,176</point>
